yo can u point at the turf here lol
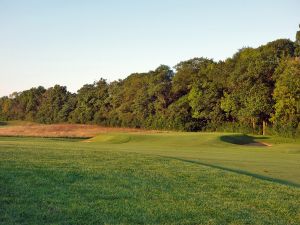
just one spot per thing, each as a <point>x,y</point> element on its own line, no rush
<point>159,178</point>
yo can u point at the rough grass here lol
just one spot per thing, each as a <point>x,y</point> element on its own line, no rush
<point>19,128</point>
<point>149,178</point>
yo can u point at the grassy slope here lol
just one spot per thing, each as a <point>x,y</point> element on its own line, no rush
<point>281,161</point>
<point>154,178</point>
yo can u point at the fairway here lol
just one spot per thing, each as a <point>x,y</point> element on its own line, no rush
<point>150,112</point>
<point>150,178</point>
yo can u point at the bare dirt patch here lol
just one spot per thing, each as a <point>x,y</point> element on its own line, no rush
<point>61,130</point>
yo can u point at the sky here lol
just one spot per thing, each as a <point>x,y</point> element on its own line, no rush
<point>75,42</point>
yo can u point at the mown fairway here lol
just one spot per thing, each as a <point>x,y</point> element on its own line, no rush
<point>144,178</point>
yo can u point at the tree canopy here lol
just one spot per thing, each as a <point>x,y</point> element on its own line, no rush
<point>254,87</point>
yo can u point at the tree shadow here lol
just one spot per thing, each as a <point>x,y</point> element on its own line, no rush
<point>238,171</point>
<point>3,123</point>
<point>243,139</point>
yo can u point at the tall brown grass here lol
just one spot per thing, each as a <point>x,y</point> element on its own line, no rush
<point>60,130</point>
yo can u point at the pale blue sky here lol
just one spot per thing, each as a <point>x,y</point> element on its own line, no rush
<point>47,42</point>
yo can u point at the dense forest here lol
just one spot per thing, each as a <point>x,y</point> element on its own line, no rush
<point>257,90</point>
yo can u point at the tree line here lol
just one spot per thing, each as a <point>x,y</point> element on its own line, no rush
<point>257,90</point>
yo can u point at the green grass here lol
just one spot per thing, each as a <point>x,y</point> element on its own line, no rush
<point>138,178</point>
<point>16,123</point>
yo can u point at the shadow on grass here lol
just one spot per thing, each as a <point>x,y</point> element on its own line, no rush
<point>31,138</point>
<point>238,171</point>
<point>3,123</point>
<point>241,139</point>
